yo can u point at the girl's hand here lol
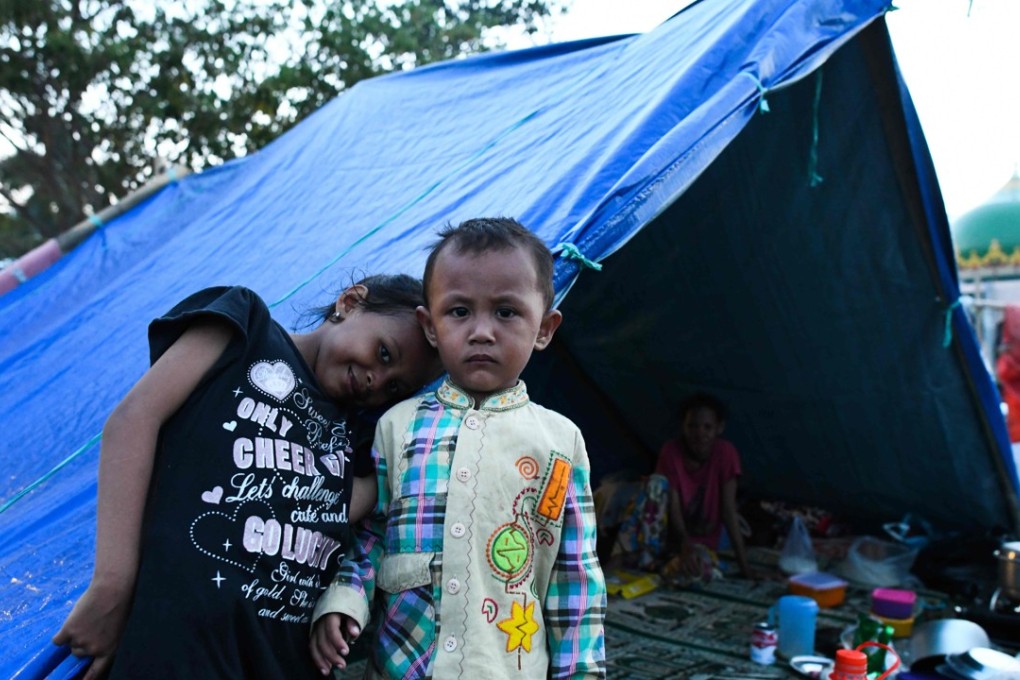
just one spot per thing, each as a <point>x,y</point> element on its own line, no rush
<point>331,636</point>
<point>689,561</point>
<point>94,626</point>
<point>685,565</point>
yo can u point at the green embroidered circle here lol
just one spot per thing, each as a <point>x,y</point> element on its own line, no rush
<point>509,549</point>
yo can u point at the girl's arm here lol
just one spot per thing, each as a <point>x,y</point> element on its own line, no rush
<point>364,494</point>
<point>677,527</point>
<point>334,632</point>
<point>689,563</point>
<point>125,468</point>
<point>732,523</point>
<point>343,608</point>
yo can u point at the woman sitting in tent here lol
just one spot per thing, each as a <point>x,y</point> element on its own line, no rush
<point>673,520</point>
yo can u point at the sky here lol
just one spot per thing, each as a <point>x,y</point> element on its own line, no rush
<point>960,59</point>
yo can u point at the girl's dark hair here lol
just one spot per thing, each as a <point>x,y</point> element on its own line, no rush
<point>703,400</point>
<point>389,294</point>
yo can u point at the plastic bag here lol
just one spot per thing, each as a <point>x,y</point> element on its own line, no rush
<point>874,562</point>
<point>913,530</point>
<point>798,556</point>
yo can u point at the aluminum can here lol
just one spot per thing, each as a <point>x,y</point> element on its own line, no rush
<point>764,638</point>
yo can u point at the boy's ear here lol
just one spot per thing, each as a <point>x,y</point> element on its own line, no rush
<point>425,320</point>
<point>550,322</point>
<point>350,299</point>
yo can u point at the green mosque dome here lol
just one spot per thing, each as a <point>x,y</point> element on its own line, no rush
<point>988,237</point>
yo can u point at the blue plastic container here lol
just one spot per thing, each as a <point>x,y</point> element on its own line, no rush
<point>795,617</point>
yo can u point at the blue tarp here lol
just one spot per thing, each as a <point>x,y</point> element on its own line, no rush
<point>795,261</point>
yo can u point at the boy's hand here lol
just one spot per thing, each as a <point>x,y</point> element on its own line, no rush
<point>330,641</point>
<point>94,626</point>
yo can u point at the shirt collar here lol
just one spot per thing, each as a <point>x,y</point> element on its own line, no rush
<point>510,398</point>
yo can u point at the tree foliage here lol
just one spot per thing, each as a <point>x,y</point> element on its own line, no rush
<point>94,92</point>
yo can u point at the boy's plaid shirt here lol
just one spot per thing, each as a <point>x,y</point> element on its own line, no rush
<point>485,518</point>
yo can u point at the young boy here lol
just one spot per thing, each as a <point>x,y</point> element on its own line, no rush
<point>485,555</point>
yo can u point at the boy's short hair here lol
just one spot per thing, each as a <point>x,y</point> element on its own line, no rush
<point>487,234</point>
<point>703,400</point>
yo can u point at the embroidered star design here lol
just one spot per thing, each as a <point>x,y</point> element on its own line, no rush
<point>519,627</point>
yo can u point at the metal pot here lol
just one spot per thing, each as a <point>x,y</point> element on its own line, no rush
<point>935,639</point>
<point>1008,556</point>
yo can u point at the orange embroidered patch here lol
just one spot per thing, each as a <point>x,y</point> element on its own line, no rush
<point>550,505</point>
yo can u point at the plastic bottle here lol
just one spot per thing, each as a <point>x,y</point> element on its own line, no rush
<point>852,664</point>
<point>871,629</point>
<point>797,615</point>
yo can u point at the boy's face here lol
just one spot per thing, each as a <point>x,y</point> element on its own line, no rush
<point>701,428</point>
<point>485,316</point>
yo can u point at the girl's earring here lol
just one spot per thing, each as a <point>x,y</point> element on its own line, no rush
<point>335,317</point>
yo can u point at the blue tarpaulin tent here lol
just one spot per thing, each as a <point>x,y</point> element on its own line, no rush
<point>753,179</point>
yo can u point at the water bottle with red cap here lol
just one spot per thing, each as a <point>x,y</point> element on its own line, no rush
<point>852,664</point>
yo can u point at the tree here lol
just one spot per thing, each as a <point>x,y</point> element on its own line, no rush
<point>93,93</point>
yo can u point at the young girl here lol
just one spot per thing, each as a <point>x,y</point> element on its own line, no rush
<point>674,519</point>
<point>702,470</point>
<point>226,481</point>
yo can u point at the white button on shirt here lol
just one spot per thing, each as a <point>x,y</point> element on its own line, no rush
<point>452,586</point>
<point>472,422</point>
<point>463,474</point>
<point>450,644</point>
<point>457,530</point>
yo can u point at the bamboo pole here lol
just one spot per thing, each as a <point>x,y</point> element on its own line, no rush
<point>69,239</point>
<point>43,256</point>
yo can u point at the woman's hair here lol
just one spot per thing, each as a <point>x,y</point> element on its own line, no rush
<point>388,294</point>
<point>703,400</point>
